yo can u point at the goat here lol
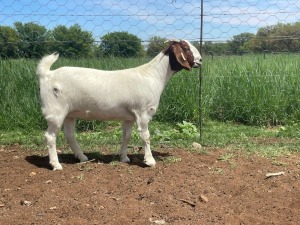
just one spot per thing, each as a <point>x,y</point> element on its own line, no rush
<point>129,95</point>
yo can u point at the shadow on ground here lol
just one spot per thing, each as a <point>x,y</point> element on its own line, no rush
<point>95,157</point>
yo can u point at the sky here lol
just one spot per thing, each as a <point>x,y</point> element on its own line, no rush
<point>147,18</point>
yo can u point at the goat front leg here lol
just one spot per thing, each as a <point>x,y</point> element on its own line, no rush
<point>145,136</point>
<point>69,131</point>
<point>127,128</point>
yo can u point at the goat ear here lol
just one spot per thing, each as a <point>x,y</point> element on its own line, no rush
<point>181,57</point>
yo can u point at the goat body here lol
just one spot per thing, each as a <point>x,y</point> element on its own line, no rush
<point>130,95</point>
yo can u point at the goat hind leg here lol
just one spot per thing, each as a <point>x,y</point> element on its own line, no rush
<point>127,128</point>
<point>69,131</point>
<point>50,135</point>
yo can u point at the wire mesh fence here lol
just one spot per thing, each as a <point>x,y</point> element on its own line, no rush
<point>250,50</point>
<point>250,74</point>
<point>86,25</point>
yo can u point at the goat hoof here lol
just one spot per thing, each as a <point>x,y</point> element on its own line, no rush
<point>150,162</point>
<point>83,158</point>
<point>125,159</point>
<point>56,166</point>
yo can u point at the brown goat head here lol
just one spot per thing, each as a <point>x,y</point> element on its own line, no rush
<point>181,57</point>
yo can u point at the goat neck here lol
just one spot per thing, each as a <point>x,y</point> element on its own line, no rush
<point>160,69</point>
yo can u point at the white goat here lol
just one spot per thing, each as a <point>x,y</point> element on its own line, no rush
<point>130,95</point>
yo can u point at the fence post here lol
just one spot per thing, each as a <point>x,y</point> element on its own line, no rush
<point>200,77</point>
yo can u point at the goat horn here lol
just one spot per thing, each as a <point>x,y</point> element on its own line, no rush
<point>183,56</point>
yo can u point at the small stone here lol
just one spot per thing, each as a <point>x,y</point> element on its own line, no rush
<point>160,222</point>
<point>196,145</point>
<point>32,174</point>
<point>26,203</point>
<point>203,198</point>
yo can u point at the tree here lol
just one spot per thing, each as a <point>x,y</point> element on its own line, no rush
<point>9,40</point>
<point>120,44</point>
<point>156,44</point>
<point>34,39</point>
<point>215,47</point>
<point>279,37</point>
<point>239,43</point>
<point>72,42</point>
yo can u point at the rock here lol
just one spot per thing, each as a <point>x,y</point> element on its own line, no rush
<point>196,145</point>
<point>32,174</point>
<point>26,203</point>
<point>203,198</point>
<point>157,221</point>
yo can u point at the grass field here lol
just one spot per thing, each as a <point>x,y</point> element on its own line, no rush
<point>250,90</point>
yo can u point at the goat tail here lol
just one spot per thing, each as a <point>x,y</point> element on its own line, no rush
<point>45,64</point>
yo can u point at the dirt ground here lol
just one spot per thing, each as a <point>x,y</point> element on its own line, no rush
<point>184,188</point>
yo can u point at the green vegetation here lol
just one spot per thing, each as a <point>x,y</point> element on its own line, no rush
<point>32,40</point>
<point>251,90</point>
<point>120,44</point>
<point>276,38</point>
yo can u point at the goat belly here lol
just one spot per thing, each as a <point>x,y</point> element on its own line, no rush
<point>102,115</point>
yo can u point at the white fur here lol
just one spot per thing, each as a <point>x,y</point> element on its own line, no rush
<point>130,95</point>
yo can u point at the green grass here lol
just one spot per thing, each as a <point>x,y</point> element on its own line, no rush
<point>252,90</point>
<point>248,89</point>
<point>266,141</point>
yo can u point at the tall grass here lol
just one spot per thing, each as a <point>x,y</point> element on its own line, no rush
<point>253,89</point>
<point>247,89</point>
<point>19,101</point>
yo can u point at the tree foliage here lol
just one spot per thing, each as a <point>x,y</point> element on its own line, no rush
<point>210,47</point>
<point>156,44</point>
<point>276,38</point>
<point>239,43</point>
<point>120,44</point>
<point>72,41</point>
<point>33,39</point>
<point>9,39</point>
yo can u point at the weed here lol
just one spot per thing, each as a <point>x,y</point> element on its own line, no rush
<point>170,159</point>
<point>78,177</point>
<point>278,163</point>
<point>188,130</point>
<point>226,157</point>
<point>86,168</point>
<point>114,163</point>
<point>218,171</point>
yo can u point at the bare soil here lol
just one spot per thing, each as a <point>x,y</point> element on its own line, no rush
<point>184,188</point>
